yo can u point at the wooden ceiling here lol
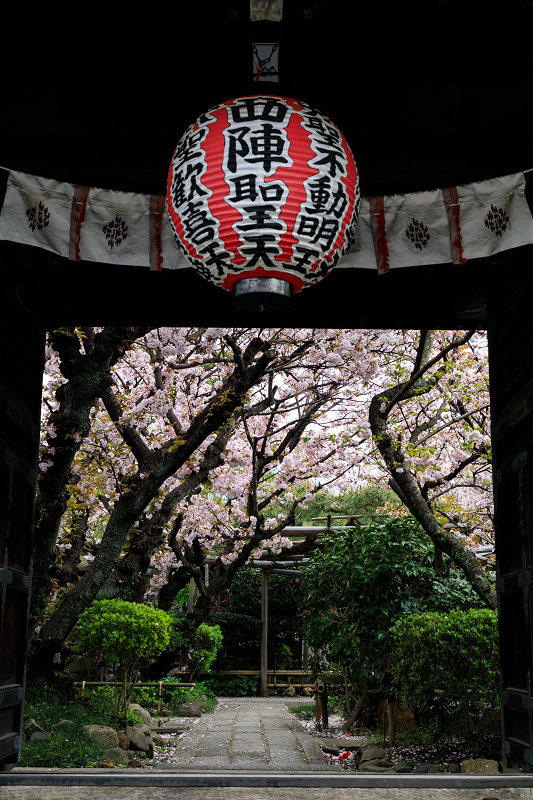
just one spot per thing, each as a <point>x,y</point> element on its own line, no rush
<point>428,94</point>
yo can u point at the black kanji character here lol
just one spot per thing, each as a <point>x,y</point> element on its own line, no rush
<point>216,256</point>
<point>307,257</point>
<point>320,195</point>
<point>328,232</point>
<point>261,251</point>
<point>267,146</point>
<point>245,188</point>
<point>179,185</point>
<point>199,226</point>
<point>308,226</point>
<point>203,270</point>
<point>332,157</point>
<point>260,216</point>
<point>251,109</point>
<point>187,148</point>
<point>328,134</point>
<point>340,201</point>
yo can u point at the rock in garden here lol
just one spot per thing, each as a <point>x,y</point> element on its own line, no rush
<point>424,767</point>
<point>479,765</point>
<point>334,751</point>
<point>454,767</point>
<point>117,755</point>
<point>158,740</point>
<point>63,723</point>
<point>137,739</point>
<point>32,727</point>
<point>140,726</point>
<point>40,736</point>
<point>193,709</point>
<point>402,767</point>
<point>372,752</point>
<point>307,691</point>
<point>383,762</point>
<point>123,741</point>
<point>103,736</point>
<point>372,766</point>
<point>142,712</point>
<point>290,691</point>
<point>436,768</point>
<point>338,742</point>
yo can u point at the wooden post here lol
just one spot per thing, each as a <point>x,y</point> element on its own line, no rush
<point>160,696</point>
<point>263,688</point>
<point>190,602</point>
<point>321,706</point>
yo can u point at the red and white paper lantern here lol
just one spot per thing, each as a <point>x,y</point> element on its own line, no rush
<point>263,197</point>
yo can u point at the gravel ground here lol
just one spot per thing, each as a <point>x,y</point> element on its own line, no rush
<point>440,752</point>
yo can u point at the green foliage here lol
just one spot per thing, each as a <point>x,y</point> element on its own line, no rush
<point>233,685</point>
<point>305,712</point>
<point>362,503</point>
<point>241,611</point>
<point>187,694</point>
<point>207,642</point>
<point>284,659</point>
<point>126,634</point>
<point>449,663</point>
<point>363,580</point>
<point>69,746</point>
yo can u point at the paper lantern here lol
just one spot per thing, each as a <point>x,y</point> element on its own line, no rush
<point>263,197</point>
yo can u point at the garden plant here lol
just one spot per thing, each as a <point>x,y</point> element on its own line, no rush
<point>126,636</point>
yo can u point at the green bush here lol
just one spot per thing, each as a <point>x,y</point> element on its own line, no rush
<point>448,664</point>
<point>69,746</point>
<point>233,685</point>
<point>124,634</point>
<point>207,642</point>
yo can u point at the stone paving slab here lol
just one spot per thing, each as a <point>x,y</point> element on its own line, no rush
<point>250,734</point>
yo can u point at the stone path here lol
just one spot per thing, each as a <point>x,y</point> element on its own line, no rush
<point>246,734</point>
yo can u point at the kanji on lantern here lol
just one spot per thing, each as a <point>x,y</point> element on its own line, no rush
<point>263,187</point>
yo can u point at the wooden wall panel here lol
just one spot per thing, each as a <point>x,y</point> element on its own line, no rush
<point>22,344</point>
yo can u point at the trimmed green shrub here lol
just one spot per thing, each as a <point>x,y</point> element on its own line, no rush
<point>449,662</point>
<point>207,642</point>
<point>125,634</point>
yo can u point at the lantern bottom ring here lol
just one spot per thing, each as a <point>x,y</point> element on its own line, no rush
<point>262,294</point>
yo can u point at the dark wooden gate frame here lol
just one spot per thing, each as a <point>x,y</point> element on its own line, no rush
<point>422,100</point>
<point>510,326</point>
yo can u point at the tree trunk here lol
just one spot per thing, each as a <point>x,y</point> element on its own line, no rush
<point>354,715</point>
<point>142,489</point>
<point>407,489</point>
<point>88,375</point>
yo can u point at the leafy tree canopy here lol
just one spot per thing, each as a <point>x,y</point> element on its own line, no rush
<point>359,584</point>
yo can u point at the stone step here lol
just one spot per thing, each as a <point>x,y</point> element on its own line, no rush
<point>171,729</point>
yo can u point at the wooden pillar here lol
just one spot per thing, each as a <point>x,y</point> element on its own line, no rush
<point>21,366</point>
<point>511,388</point>
<point>263,688</point>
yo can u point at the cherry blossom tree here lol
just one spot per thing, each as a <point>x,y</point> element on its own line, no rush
<point>184,444</point>
<point>163,449</point>
<point>430,423</point>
